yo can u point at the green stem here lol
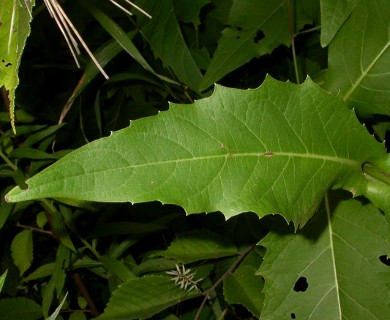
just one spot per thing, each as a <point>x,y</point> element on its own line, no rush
<point>7,161</point>
<point>292,36</point>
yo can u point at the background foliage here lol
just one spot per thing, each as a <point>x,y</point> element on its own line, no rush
<point>72,259</point>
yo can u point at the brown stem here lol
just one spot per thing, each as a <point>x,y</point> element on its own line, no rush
<point>51,210</point>
<point>236,263</point>
<point>34,229</point>
<point>84,291</point>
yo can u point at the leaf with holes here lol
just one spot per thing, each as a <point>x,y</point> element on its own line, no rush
<point>14,29</point>
<point>359,64</point>
<point>334,267</point>
<point>275,149</point>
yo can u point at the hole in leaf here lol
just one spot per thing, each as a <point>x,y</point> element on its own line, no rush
<point>239,29</point>
<point>385,260</point>
<point>7,64</point>
<point>259,35</point>
<point>293,316</point>
<point>301,285</point>
<point>238,37</point>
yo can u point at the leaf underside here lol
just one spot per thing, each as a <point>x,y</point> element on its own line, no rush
<point>274,149</point>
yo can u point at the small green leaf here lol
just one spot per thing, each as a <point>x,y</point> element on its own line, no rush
<point>140,298</point>
<point>15,21</point>
<point>116,268</point>
<point>22,250</point>
<point>54,315</point>
<point>82,302</point>
<point>188,11</point>
<point>154,265</point>
<point>78,315</point>
<point>20,309</point>
<point>199,245</point>
<point>47,269</point>
<point>30,153</point>
<point>2,279</point>
<point>41,219</point>
<point>329,270</point>
<point>274,149</point>
<point>244,287</point>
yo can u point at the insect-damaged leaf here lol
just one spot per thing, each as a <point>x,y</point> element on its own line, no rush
<point>275,149</point>
<point>15,21</point>
<point>335,268</point>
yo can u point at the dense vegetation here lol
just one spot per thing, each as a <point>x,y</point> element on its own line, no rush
<point>264,196</point>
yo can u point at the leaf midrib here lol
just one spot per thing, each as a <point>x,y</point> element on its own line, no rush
<point>256,154</point>
<point>344,161</point>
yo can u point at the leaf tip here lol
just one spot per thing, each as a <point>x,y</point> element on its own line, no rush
<point>14,195</point>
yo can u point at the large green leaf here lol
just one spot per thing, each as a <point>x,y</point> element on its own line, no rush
<point>359,64</point>
<point>14,30</point>
<point>142,297</point>
<point>331,269</point>
<point>275,149</point>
